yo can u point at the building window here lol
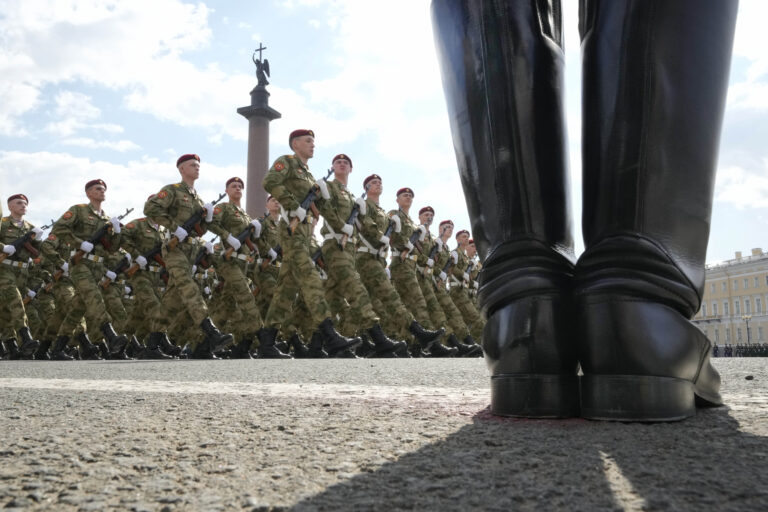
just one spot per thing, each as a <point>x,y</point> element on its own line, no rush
<point>757,282</point>
<point>712,287</point>
<point>747,307</point>
<point>725,285</point>
<point>735,284</point>
<point>760,333</point>
<point>727,334</point>
<point>758,305</point>
<point>746,284</point>
<point>725,308</point>
<point>714,309</point>
<point>738,334</point>
<point>736,307</point>
<point>703,309</point>
<point>717,335</point>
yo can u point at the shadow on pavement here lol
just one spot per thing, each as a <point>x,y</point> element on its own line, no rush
<point>705,463</point>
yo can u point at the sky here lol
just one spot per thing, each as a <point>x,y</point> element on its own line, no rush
<point>118,90</point>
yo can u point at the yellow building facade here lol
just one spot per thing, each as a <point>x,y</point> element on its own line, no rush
<point>734,309</point>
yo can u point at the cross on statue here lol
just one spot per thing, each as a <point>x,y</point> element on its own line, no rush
<point>260,49</point>
<point>262,66</point>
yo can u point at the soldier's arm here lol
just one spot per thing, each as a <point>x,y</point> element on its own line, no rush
<point>49,248</point>
<point>64,228</point>
<point>369,229</point>
<point>128,240</point>
<point>329,210</point>
<point>158,208</point>
<point>397,240</point>
<point>217,224</point>
<point>274,184</point>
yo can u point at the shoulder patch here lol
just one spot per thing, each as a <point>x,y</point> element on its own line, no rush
<point>130,225</point>
<point>279,166</point>
<point>51,237</point>
<point>163,193</point>
<point>67,215</point>
<point>216,210</point>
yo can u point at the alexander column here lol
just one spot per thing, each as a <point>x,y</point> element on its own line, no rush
<point>258,114</point>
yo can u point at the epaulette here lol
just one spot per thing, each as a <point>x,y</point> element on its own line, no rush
<point>290,157</point>
<point>176,185</point>
<point>82,205</point>
<point>8,218</point>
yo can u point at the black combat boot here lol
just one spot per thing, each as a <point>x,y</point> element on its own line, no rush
<point>41,354</point>
<point>440,350</point>
<point>267,344</point>
<point>347,353</point>
<point>416,351</point>
<point>382,344</point>
<point>316,346</point>
<point>13,349</point>
<point>463,349</point>
<point>477,349</point>
<point>87,349</point>
<point>28,345</point>
<point>103,350</point>
<point>242,350</point>
<point>203,351</point>
<point>115,342</point>
<point>333,341</point>
<point>151,350</point>
<point>215,339</point>
<point>59,350</point>
<point>423,336</point>
<point>300,351</point>
<point>3,351</point>
<point>655,77</point>
<point>502,68</point>
<point>366,348</point>
<point>160,340</point>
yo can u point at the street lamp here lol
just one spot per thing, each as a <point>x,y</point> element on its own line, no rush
<point>747,318</point>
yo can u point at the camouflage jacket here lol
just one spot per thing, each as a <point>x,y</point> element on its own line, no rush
<point>79,223</point>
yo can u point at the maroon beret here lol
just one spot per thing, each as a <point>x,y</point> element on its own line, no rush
<point>471,241</point>
<point>369,179</point>
<point>462,232</point>
<point>299,133</point>
<point>18,196</point>
<point>93,183</point>
<point>342,156</point>
<point>184,158</point>
<point>443,223</point>
<point>427,209</point>
<point>404,190</point>
<point>270,196</point>
<point>238,180</point>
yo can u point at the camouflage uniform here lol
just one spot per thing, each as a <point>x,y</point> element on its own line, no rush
<point>458,282</point>
<point>112,293</point>
<point>424,276</point>
<point>265,270</point>
<point>14,272</point>
<point>69,312</point>
<point>453,316</point>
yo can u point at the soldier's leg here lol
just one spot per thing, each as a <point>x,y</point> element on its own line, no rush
<point>113,300</point>
<point>469,312</point>
<point>407,286</point>
<point>385,300</point>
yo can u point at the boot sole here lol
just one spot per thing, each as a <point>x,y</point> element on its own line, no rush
<point>636,398</point>
<point>535,395</point>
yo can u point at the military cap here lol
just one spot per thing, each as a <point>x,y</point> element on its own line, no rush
<point>269,197</point>
<point>234,179</point>
<point>471,241</point>
<point>342,156</point>
<point>93,183</point>
<point>427,209</point>
<point>369,179</point>
<point>462,232</point>
<point>184,158</point>
<point>404,190</point>
<point>443,223</point>
<point>299,133</point>
<point>18,196</point>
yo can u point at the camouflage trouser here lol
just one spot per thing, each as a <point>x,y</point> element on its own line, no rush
<point>344,284</point>
<point>11,305</point>
<point>147,307</point>
<point>296,274</point>
<point>453,316</point>
<point>436,313</point>
<point>468,310</point>
<point>70,310</point>
<point>45,306</point>
<point>266,281</point>
<point>182,288</point>
<point>407,286</point>
<point>85,279</point>
<point>237,295</point>
<point>302,322</point>
<point>385,299</point>
<point>113,300</point>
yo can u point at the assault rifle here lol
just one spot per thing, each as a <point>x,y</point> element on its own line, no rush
<point>25,242</point>
<point>308,203</point>
<point>278,250</point>
<point>152,254</point>
<point>201,259</point>
<point>100,237</point>
<point>414,239</point>
<point>193,223</point>
<point>244,237</point>
<point>121,266</point>
<point>42,286</point>
<point>317,258</point>
<point>353,215</point>
<point>434,250</point>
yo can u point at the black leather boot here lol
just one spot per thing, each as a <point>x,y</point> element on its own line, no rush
<point>382,344</point>
<point>440,350</point>
<point>655,80</point>
<point>502,68</point>
<point>242,350</point>
<point>3,351</point>
<point>87,349</point>
<point>300,351</point>
<point>477,349</point>
<point>160,340</point>
<point>316,346</point>
<point>28,346</point>
<point>41,354</point>
<point>268,344</point>
<point>58,352</point>
<point>423,336</point>
<point>103,350</point>
<point>216,340</point>
<point>152,349</point>
<point>115,342</point>
<point>333,341</point>
<point>463,349</point>
<point>366,348</point>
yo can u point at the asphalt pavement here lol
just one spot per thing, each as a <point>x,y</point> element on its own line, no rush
<point>366,434</point>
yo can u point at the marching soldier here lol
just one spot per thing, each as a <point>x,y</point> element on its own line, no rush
<point>267,266</point>
<point>13,271</point>
<point>459,282</point>
<point>174,207</point>
<point>78,227</point>
<point>291,183</point>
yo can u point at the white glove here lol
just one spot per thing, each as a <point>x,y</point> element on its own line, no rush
<point>389,275</point>
<point>128,290</point>
<point>409,246</point>
<point>363,207</point>
<point>180,233</point>
<point>194,269</point>
<point>300,213</point>
<point>115,224</point>
<point>234,242</point>
<point>141,261</point>
<point>208,212</point>
<point>423,230</point>
<point>207,290</point>
<point>384,240</point>
<point>256,228</point>
<point>430,263</point>
<point>465,276</point>
<point>38,232</point>
<point>455,257</point>
<point>209,246</point>
<point>323,186</point>
<point>111,275</point>
<point>86,246</point>
<point>439,242</point>
<point>443,277</point>
<point>477,285</point>
<point>9,250</point>
<point>272,254</point>
<point>398,224</point>
<point>31,294</point>
<point>348,229</point>
<point>65,267</point>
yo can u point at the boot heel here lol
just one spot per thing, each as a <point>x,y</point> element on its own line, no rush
<point>535,396</point>
<point>636,398</point>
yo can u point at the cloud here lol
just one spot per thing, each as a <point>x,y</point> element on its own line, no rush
<point>741,188</point>
<point>85,142</point>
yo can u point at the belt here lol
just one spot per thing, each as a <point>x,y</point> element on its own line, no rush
<point>17,264</point>
<point>412,257</point>
<point>455,282</point>
<point>363,248</point>
<point>161,289</point>
<point>154,268</point>
<point>244,257</point>
<point>93,257</point>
